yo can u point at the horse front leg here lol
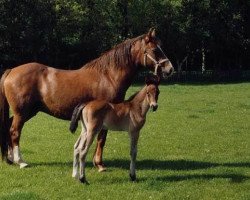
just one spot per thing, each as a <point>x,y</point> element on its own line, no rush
<point>134,136</point>
<point>97,159</point>
<point>15,133</point>
<point>10,155</point>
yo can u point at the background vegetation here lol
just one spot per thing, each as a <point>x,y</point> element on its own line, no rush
<point>186,151</point>
<point>196,34</point>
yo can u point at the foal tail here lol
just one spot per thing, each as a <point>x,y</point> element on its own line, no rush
<point>4,115</point>
<point>75,117</point>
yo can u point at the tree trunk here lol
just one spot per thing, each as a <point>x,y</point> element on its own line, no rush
<point>203,57</point>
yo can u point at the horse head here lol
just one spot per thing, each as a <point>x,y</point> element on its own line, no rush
<point>151,56</point>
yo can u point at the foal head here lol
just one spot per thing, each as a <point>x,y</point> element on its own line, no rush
<point>150,55</point>
<point>152,91</point>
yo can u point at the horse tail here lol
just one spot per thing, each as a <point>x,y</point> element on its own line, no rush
<point>75,117</point>
<point>4,115</point>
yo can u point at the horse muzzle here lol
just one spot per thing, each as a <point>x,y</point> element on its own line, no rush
<point>167,69</point>
<point>154,107</point>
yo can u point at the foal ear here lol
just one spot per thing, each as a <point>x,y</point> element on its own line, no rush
<point>152,79</point>
<point>150,35</point>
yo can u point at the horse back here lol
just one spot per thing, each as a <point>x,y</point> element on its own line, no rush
<point>35,87</point>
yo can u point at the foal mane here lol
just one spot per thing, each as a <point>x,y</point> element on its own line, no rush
<point>132,96</point>
<point>149,80</point>
<point>118,57</point>
<point>138,93</point>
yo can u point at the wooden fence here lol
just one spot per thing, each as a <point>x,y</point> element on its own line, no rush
<point>205,77</point>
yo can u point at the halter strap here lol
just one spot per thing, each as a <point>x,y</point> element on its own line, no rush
<point>157,63</point>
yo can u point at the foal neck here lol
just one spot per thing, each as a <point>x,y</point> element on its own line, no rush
<point>140,101</point>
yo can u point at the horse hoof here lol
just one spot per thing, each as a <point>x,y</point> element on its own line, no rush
<point>23,165</point>
<point>101,168</point>
<point>99,165</point>
<point>132,177</point>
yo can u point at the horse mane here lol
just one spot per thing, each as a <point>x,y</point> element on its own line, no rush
<point>119,56</point>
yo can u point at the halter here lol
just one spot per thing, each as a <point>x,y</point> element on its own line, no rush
<point>157,63</point>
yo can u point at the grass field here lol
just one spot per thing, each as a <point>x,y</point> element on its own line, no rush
<point>196,146</point>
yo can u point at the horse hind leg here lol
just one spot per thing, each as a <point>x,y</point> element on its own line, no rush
<point>15,133</point>
<point>10,156</point>
<point>97,159</point>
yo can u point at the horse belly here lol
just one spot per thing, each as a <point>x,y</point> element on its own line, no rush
<point>61,104</point>
<point>62,91</point>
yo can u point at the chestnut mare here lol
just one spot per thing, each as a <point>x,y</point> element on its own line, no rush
<point>33,87</point>
<point>127,116</point>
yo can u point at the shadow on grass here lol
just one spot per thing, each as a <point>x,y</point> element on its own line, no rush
<point>183,165</point>
<point>234,178</point>
<point>154,164</point>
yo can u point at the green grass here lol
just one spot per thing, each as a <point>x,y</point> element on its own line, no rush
<point>196,146</point>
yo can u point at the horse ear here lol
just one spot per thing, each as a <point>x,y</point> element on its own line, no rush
<point>153,33</point>
<point>150,35</point>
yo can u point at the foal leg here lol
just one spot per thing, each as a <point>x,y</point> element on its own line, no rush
<point>78,144</point>
<point>15,133</point>
<point>97,160</point>
<point>75,173</point>
<point>134,136</point>
<point>84,148</point>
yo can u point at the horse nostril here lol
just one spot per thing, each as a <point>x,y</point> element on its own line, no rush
<point>170,71</point>
<point>154,107</point>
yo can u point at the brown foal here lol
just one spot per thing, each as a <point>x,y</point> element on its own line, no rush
<point>127,116</point>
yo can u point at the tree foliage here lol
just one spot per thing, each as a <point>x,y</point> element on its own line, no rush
<point>214,34</point>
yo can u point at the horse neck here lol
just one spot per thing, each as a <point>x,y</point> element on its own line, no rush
<point>118,66</point>
<point>140,101</point>
<point>123,75</point>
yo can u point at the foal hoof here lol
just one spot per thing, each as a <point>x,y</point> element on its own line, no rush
<point>132,177</point>
<point>84,181</point>
<point>9,162</point>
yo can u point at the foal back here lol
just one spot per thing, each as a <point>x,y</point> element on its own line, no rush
<point>100,114</point>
